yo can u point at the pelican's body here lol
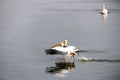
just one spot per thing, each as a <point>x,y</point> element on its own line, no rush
<point>63,49</point>
<point>68,50</point>
<point>104,10</point>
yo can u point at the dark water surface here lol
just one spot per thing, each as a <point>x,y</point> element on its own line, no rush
<point>28,27</point>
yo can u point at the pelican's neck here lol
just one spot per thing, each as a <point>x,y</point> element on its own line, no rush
<point>103,6</point>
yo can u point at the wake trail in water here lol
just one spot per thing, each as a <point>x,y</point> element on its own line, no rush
<point>83,10</point>
<point>86,59</point>
<point>92,51</point>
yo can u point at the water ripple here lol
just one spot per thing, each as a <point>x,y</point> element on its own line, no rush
<point>83,10</point>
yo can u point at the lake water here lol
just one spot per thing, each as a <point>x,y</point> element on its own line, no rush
<point>29,27</point>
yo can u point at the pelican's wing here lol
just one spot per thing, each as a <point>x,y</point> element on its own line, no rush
<point>54,51</point>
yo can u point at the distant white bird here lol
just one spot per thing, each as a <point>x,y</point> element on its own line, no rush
<point>104,10</point>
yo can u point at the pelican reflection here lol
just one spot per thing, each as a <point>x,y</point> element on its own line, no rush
<point>104,17</point>
<point>61,69</point>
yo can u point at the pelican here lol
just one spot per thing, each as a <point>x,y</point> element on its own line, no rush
<point>104,10</point>
<point>69,51</point>
<point>62,48</point>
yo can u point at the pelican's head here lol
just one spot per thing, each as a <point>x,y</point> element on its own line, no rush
<point>65,43</point>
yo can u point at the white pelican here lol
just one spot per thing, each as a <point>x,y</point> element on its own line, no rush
<point>104,10</point>
<point>69,51</point>
<point>62,48</point>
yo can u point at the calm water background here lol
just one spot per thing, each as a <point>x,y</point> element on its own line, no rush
<point>28,27</point>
